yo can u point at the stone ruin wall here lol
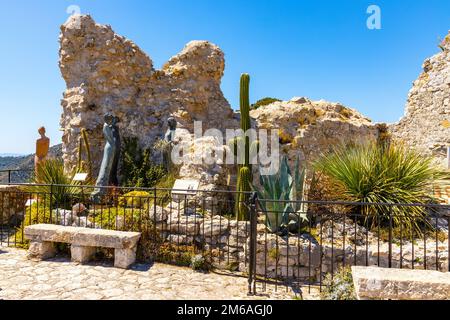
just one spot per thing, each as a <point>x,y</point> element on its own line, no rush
<point>308,128</point>
<point>105,72</point>
<point>426,123</point>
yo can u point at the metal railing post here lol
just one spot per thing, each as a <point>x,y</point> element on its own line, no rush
<point>390,238</point>
<point>51,198</point>
<point>252,251</point>
<point>9,176</point>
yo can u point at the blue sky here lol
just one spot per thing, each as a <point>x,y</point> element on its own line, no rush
<point>315,48</point>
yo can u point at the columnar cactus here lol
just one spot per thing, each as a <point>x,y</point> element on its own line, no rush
<point>245,173</point>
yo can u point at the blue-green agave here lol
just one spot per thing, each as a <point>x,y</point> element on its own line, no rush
<point>286,190</point>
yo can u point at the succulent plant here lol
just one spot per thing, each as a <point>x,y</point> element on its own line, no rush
<point>244,179</point>
<point>282,195</point>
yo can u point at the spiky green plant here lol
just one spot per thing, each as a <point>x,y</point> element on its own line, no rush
<point>383,173</point>
<point>53,184</point>
<point>281,196</point>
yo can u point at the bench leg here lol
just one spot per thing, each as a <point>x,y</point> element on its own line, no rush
<point>40,250</point>
<point>81,254</point>
<point>123,258</point>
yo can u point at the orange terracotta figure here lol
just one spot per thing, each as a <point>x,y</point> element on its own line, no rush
<point>42,147</point>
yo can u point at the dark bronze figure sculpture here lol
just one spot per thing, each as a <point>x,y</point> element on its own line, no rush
<point>108,169</point>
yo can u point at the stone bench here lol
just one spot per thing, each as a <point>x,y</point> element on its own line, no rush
<point>400,284</point>
<point>83,241</point>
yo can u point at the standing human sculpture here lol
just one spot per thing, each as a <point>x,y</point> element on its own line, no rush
<point>169,138</point>
<point>113,180</point>
<point>108,170</point>
<point>42,147</point>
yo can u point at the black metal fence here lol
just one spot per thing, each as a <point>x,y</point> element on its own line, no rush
<point>297,248</point>
<point>15,175</point>
<point>176,225</point>
<point>326,236</point>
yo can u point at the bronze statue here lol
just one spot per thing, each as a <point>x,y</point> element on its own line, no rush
<point>113,180</point>
<point>170,133</point>
<point>168,138</point>
<point>42,147</point>
<point>108,169</point>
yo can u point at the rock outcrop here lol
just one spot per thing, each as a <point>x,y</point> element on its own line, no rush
<point>105,72</point>
<point>426,124</point>
<point>308,128</point>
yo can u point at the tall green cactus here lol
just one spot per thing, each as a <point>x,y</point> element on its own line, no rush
<point>244,179</point>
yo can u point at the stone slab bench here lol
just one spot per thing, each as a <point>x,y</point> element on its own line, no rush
<point>400,284</point>
<point>83,241</point>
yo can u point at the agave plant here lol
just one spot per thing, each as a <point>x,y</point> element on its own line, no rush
<point>281,196</point>
<point>379,173</point>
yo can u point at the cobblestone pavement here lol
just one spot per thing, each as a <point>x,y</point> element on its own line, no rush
<point>59,278</point>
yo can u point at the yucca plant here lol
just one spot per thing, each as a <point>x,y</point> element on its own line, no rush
<point>53,184</point>
<point>281,195</point>
<point>383,173</point>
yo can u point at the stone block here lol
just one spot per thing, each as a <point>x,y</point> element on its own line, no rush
<point>180,239</point>
<point>217,240</point>
<point>400,284</point>
<point>41,250</point>
<point>123,258</point>
<point>184,224</point>
<point>214,227</point>
<point>158,214</point>
<point>81,254</point>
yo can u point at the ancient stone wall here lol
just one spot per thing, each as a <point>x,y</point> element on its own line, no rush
<point>12,205</point>
<point>105,72</point>
<point>426,124</point>
<point>308,128</point>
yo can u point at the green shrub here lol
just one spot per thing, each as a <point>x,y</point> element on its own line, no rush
<point>263,102</point>
<point>180,255</point>
<point>125,219</point>
<point>339,286</point>
<point>200,263</point>
<point>34,214</point>
<point>383,173</point>
<point>164,187</point>
<point>134,199</point>
<point>137,167</point>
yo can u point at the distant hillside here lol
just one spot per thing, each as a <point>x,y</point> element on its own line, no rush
<point>10,155</point>
<point>23,163</point>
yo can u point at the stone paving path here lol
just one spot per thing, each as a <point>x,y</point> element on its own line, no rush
<point>59,278</point>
